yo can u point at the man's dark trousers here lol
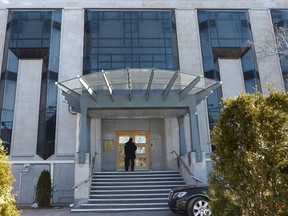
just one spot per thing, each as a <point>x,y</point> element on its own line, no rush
<point>127,163</point>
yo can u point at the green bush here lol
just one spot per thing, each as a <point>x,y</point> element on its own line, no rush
<point>7,200</point>
<point>44,189</point>
<point>250,162</point>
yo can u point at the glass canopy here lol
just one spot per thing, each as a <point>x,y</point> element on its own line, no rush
<point>138,81</point>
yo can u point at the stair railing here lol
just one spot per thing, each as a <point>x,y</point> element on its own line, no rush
<point>91,172</point>
<point>179,159</point>
<point>93,163</point>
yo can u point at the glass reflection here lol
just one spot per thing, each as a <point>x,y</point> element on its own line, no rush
<point>280,22</point>
<point>220,29</point>
<point>32,35</point>
<point>119,39</point>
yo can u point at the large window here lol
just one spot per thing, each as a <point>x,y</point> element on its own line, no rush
<point>226,34</point>
<point>31,35</point>
<point>280,21</point>
<point>129,39</point>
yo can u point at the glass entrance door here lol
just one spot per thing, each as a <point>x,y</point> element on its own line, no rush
<point>142,141</point>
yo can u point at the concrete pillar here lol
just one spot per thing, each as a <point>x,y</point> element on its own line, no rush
<point>84,146</point>
<point>71,57</point>
<point>96,146</point>
<point>199,170</point>
<point>171,139</point>
<point>3,26</point>
<point>182,140</point>
<point>82,172</point>
<point>269,65</point>
<point>231,70</point>
<point>71,65</point>
<point>190,60</point>
<point>188,41</point>
<point>25,127</point>
<point>194,131</point>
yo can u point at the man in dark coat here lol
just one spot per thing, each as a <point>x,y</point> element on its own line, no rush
<point>130,156</point>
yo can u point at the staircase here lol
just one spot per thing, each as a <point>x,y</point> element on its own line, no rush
<point>130,191</point>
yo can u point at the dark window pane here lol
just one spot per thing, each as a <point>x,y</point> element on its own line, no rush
<point>121,39</point>
<point>29,37</point>
<point>280,19</point>
<point>223,29</point>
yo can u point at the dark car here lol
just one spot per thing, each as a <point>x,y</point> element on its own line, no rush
<point>191,200</point>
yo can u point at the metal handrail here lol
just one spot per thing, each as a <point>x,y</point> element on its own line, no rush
<point>82,182</point>
<point>93,163</point>
<point>91,173</point>
<point>186,167</point>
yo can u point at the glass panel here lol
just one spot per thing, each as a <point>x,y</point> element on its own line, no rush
<point>122,162</point>
<point>123,139</point>
<point>123,35</point>
<point>141,161</point>
<point>280,21</point>
<point>141,150</point>
<point>34,29</point>
<point>121,156</point>
<point>140,139</point>
<point>224,29</point>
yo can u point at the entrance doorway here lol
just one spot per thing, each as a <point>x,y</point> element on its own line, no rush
<point>142,141</point>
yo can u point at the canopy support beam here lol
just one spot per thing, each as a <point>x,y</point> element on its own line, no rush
<point>129,85</point>
<point>88,87</point>
<point>169,86</point>
<point>188,88</point>
<point>68,91</point>
<point>108,85</point>
<point>147,93</point>
<point>206,92</point>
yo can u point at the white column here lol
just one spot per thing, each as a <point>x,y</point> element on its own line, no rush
<point>96,146</point>
<point>190,60</point>
<point>71,65</point>
<point>3,26</point>
<point>269,66</point>
<point>71,58</point>
<point>26,114</point>
<point>171,140</point>
<point>81,177</point>
<point>231,76</point>
<point>188,41</point>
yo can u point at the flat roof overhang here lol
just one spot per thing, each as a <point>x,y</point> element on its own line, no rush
<point>136,93</point>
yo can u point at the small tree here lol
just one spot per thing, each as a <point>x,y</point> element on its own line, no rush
<point>275,43</point>
<point>44,189</point>
<point>250,169</point>
<point>7,199</point>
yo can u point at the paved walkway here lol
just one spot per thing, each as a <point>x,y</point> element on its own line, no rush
<point>66,212</point>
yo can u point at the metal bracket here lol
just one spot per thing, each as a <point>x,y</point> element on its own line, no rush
<point>81,157</point>
<point>198,157</point>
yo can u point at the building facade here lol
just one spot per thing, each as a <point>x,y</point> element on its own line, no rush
<point>79,78</point>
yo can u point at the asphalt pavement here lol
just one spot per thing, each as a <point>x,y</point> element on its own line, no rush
<point>63,211</point>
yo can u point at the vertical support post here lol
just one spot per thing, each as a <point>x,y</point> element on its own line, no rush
<point>194,131</point>
<point>182,140</point>
<point>83,142</point>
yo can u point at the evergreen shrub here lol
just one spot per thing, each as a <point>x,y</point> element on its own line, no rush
<point>7,200</point>
<point>44,189</point>
<point>250,161</point>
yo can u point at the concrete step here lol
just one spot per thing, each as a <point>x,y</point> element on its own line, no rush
<point>104,210</point>
<point>127,195</point>
<point>126,200</point>
<point>130,191</point>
